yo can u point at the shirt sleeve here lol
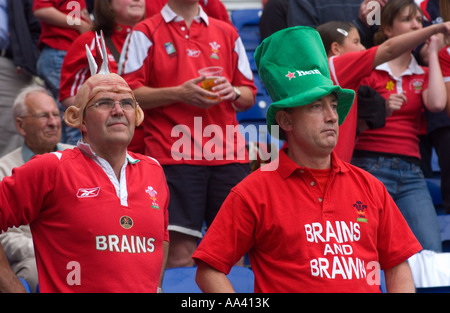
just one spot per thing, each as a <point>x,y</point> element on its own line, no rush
<point>23,194</point>
<point>444,61</point>
<point>75,69</point>
<point>243,73</point>
<point>216,9</point>
<point>137,63</point>
<point>347,70</point>
<point>39,4</point>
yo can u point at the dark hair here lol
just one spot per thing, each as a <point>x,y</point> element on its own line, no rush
<point>334,31</point>
<point>104,17</point>
<point>388,14</point>
<point>444,7</point>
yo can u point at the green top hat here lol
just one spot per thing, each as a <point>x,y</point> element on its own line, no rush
<point>293,66</point>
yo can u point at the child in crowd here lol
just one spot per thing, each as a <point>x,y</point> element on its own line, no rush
<point>349,68</point>
<point>340,37</point>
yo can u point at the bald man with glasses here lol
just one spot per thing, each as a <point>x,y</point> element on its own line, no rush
<point>98,212</point>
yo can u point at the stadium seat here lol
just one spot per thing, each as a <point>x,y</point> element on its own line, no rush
<point>434,186</point>
<point>25,284</point>
<point>246,22</point>
<point>182,280</point>
<point>382,282</point>
<point>434,162</point>
<point>256,112</point>
<point>444,223</point>
<point>444,289</point>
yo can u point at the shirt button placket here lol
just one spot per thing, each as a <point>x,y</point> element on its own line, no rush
<point>183,29</point>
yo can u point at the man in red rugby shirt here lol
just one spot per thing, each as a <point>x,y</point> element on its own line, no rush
<point>97,213</point>
<point>309,221</point>
<point>183,121</point>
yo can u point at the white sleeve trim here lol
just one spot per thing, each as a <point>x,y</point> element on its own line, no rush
<point>137,51</point>
<point>243,63</point>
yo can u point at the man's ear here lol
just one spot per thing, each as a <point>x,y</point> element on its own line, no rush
<point>283,119</point>
<point>139,116</point>
<point>19,126</point>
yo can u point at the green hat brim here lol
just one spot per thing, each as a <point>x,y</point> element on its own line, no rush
<point>345,99</point>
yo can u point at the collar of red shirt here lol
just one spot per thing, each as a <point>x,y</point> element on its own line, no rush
<point>413,68</point>
<point>286,167</point>
<point>122,30</point>
<point>87,150</point>
<point>169,15</point>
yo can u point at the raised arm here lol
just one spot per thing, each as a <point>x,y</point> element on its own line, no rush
<point>55,17</point>
<point>435,96</point>
<point>396,46</point>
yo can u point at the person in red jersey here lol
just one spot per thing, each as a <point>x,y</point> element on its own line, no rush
<point>191,131</point>
<point>309,221</point>
<point>348,69</point>
<point>391,153</point>
<point>213,8</point>
<point>62,22</point>
<point>97,213</point>
<point>116,19</point>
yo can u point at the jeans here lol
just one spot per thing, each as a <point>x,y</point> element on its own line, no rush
<point>49,69</point>
<point>406,185</point>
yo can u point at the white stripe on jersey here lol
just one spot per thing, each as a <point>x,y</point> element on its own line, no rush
<point>137,51</point>
<point>79,80</point>
<point>243,63</point>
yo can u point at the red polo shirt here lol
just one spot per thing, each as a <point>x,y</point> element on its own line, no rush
<point>164,52</point>
<point>400,133</point>
<point>92,233</point>
<point>213,8</point>
<point>300,239</point>
<point>57,37</point>
<point>444,61</point>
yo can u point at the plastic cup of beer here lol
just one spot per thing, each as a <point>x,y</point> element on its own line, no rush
<point>211,73</point>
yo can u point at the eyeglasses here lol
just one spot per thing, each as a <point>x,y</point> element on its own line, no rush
<point>108,104</point>
<point>44,117</point>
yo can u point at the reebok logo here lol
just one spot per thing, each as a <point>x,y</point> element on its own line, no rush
<point>88,192</point>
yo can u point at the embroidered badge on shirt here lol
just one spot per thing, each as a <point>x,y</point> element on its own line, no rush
<point>152,192</point>
<point>214,50</point>
<point>390,85</point>
<point>170,49</point>
<point>126,222</point>
<point>360,208</point>
<point>416,85</point>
